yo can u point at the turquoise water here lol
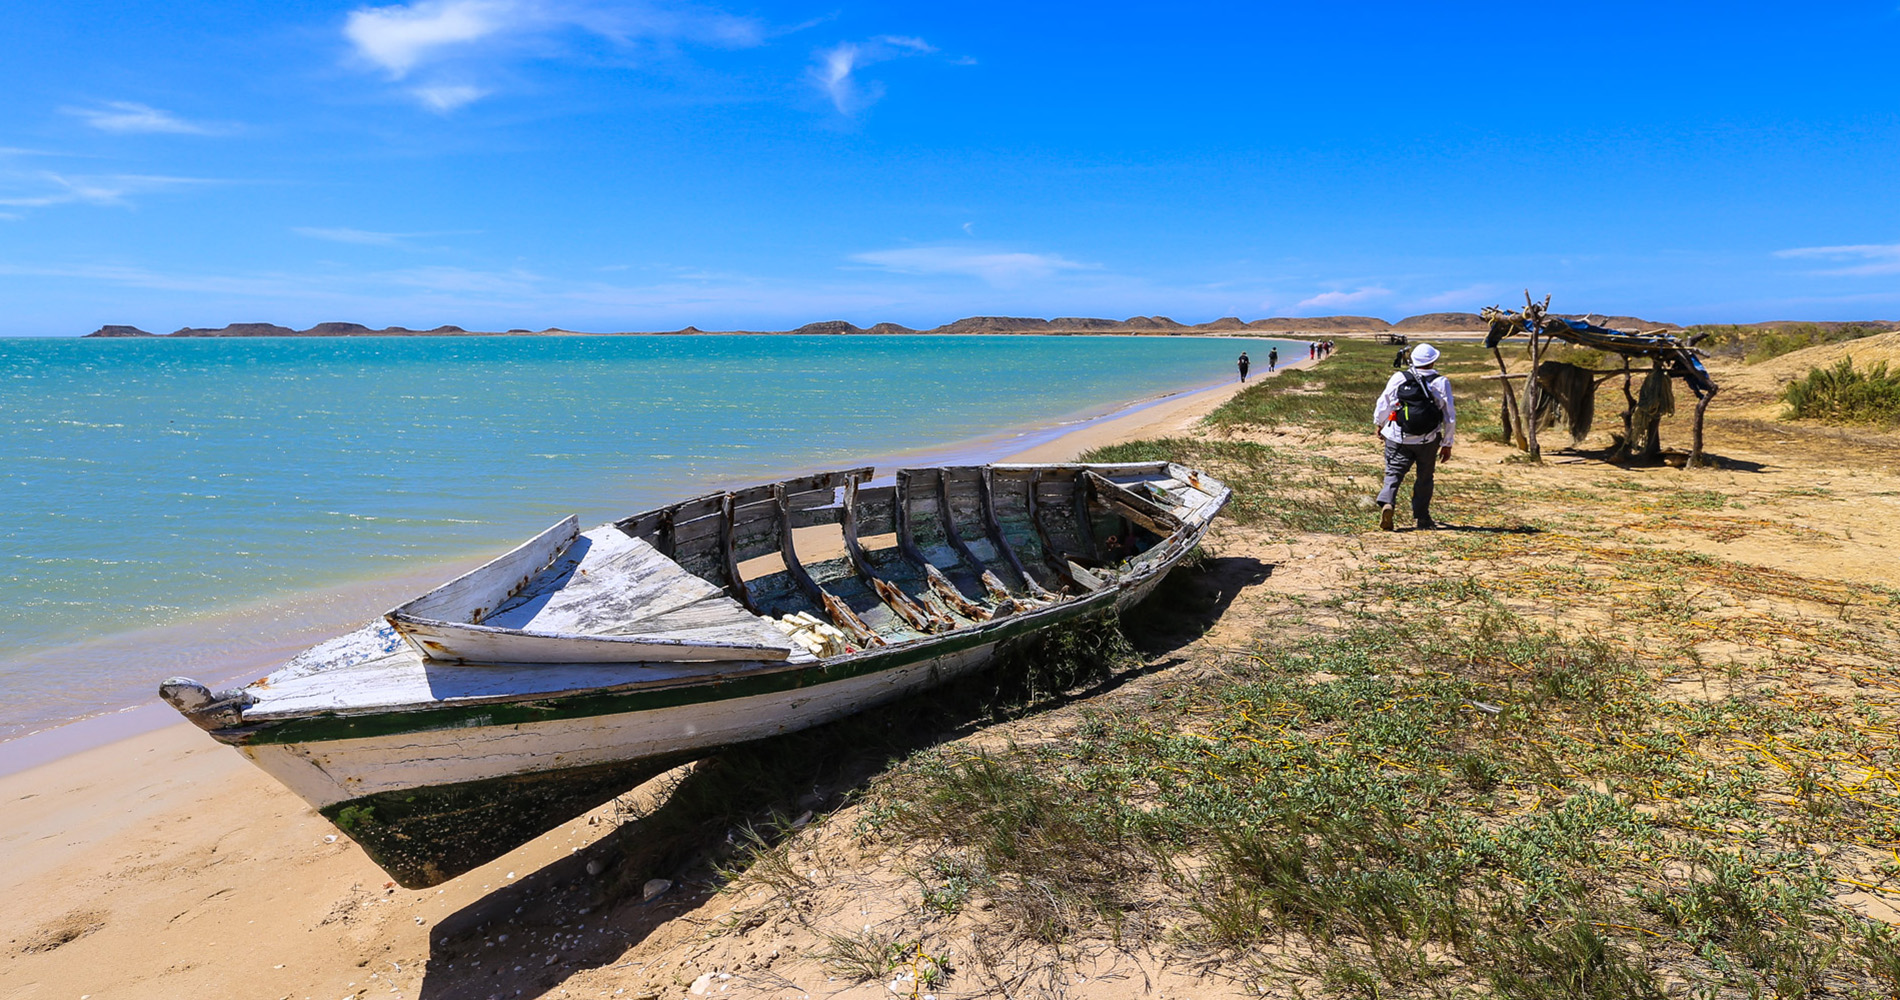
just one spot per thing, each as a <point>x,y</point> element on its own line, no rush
<point>145,484</point>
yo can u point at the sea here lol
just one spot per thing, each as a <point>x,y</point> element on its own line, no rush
<point>207,507</point>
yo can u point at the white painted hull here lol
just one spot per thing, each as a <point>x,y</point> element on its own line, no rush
<point>334,771</point>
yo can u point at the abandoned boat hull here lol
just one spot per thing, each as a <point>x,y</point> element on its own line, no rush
<point>408,798</point>
<point>436,766</point>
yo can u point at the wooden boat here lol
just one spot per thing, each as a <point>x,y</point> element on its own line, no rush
<point>503,703</point>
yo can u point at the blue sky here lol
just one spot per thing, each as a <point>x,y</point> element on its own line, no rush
<point>606,165</point>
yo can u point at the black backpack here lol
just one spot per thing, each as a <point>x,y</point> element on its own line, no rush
<point>1418,412</point>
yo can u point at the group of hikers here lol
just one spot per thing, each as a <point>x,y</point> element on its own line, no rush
<point>1314,351</point>
<point>1415,415</point>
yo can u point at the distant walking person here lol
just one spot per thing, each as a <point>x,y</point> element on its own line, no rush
<point>1243,364</point>
<point>1273,359</point>
<point>1416,416</point>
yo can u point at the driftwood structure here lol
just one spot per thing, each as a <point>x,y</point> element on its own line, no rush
<point>1554,388</point>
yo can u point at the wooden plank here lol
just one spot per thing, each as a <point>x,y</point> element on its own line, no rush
<point>907,546</point>
<point>912,613</point>
<point>1136,507</point>
<point>874,513</point>
<point>991,585</point>
<point>707,526</point>
<point>817,515</point>
<point>604,580</point>
<point>473,595</point>
<point>755,540</point>
<point>994,531</point>
<point>483,644</point>
<point>750,511</point>
<point>838,611</point>
<point>1051,553</point>
<point>1084,528</point>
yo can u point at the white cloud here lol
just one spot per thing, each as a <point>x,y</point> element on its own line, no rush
<point>443,98</point>
<point>129,116</point>
<point>1881,258</point>
<point>1334,300</point>
<point>1002,268</point>
<point>835,68</point>
<point>398,38</point>
<point>49,188</point>
<point>448,46</point>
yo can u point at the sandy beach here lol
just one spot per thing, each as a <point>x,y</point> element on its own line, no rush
<point>164,865</point>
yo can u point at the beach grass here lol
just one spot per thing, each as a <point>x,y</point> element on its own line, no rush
<point>1511,764</point>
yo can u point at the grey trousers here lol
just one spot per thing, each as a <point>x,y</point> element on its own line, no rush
<point>1399,459</point>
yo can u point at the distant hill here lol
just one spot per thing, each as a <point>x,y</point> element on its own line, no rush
<point>237,330</point>
<point>332,329</point>
<point>1427,323</point>
<point>832,327</point>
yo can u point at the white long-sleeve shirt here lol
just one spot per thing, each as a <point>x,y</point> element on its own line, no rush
<point>1440,388</point>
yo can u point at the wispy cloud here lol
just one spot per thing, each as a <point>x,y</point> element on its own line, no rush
<point>448,46</point>
<point>358,237</point>
<point>131,117</point>
<point>1001,268</point>
<point>1880,258</point>
<point>1334,300</point>
<point>835,69</point>
<point>443,98</point>
<point>45,188</point>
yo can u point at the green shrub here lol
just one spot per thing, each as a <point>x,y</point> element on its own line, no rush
<point>1845,394</point>
<point>1759,343</point>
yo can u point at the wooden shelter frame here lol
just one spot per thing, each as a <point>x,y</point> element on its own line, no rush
<point>1521,412</point>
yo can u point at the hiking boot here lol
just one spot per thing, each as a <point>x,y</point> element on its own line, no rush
<point>1385,517</point>
<point>1427,524</point>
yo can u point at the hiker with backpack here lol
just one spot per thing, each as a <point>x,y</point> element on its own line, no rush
<point>1416,416</point>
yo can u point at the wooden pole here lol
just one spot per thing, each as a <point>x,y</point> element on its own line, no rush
<point>1516,428</point>
<point>1652,438</point>
<point>1695,445</point>
<point>1529,411</point>
<point>1629,416</point>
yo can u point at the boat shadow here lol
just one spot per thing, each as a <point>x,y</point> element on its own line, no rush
<point>695,825</point>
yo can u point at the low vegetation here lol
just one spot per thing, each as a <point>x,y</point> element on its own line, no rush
<point>1544,759</point>
<point>1338,395</point>
<point>1846,394</point>
<point>1508,767</point>
<point>1759,343</point>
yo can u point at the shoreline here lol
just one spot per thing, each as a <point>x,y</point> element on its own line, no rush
<point>314,615</point>
<point>147,856</point>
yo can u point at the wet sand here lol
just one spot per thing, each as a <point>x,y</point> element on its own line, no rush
<point>164,865</point>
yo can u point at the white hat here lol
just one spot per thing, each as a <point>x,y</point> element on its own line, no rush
<point>1423,355</point>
